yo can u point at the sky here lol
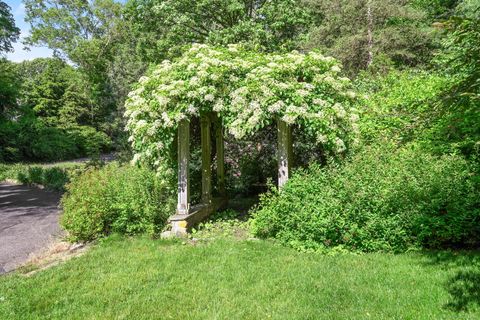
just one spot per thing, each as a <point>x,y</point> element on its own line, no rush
<point>18,11</point>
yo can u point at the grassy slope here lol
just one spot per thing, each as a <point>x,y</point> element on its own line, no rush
<point>156,279</point>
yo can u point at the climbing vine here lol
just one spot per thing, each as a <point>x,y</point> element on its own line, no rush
<point>248,90</point>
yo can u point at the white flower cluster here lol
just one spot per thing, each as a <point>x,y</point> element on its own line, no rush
<point>248,90</point>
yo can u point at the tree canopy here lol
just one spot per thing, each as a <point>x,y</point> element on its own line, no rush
<point>165,26</point>
<point>371,33</point>
<point>9,33</point>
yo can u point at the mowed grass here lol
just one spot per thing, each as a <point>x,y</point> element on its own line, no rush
<point>141,278</point>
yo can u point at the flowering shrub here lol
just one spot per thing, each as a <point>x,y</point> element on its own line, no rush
<point>248,90</point>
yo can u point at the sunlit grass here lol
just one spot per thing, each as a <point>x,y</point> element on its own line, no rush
<point>140,278</point>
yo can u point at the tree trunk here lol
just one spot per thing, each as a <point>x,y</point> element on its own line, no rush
<point>369,33</point>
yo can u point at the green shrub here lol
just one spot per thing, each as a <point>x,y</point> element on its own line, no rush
<point>9,171</point>
<point>120,199</point>
<point>383,199</point>
<point>420,106</point>
<point>53,178</point>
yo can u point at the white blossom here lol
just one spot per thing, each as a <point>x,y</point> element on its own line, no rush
<point>289,118</point>
<point>340,145</point>
<point>209,97</point>
<point>277,106</point>
<point>191,109</point>
<point>258,87</point>
<point>322,138</point>
<point>335,68</point>
<point>218,106</point>
<point>351,94</point>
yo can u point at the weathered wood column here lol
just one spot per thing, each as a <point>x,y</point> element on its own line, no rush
<point>219,146</point>
<point>183,205</point>
<point>285,151</point>
<point>205,124</point>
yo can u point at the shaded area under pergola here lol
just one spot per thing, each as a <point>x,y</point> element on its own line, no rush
<point>188,214</point>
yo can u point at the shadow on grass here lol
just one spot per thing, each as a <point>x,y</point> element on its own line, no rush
<point>464,289</point>
<point>463,285</point>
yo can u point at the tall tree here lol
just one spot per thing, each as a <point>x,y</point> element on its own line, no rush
<point>371,33</point>
<point>163,27</point>
<point>56,93</point>
<point>460,61</point>
<point>85,32</point>
<point>9,87</point>
<point>9,33</point>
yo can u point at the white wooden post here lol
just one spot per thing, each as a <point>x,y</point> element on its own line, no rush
<point>220,158</point>
<point>183,205</point>
<point>285,151</point>
<point>206,160</point>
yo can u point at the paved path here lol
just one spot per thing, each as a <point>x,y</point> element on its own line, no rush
<point>28,221</point>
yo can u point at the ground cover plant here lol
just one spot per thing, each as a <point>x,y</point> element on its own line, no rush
<point>143,278</point>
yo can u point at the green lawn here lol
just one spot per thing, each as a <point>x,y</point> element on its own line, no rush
<point>140,278</point>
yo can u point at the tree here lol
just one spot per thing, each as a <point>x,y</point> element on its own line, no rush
<point>56,93</point>
<point>164,27</point>
<point>72,28</point>
<point>371,33</point>
<point>9,33</point>
<point>82,31</point>
<point>87,33</point>
<point>437,9</point>
<point>460,61</point>
<point>463,49</point>
<point>9,87</point>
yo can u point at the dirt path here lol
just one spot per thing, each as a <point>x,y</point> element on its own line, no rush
<point>28,222</point>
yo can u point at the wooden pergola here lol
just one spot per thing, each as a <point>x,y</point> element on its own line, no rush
<point>187,214</point>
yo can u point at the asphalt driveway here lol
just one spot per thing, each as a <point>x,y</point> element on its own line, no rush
<point>28,222</point>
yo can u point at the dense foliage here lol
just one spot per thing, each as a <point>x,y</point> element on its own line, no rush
<point>394,198</point>
<point>123,199</point>
<point>52,177</point>
<point>461,60</point>
<point>398,106</point>
<point>382,199</point>
<point>163,27</point>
